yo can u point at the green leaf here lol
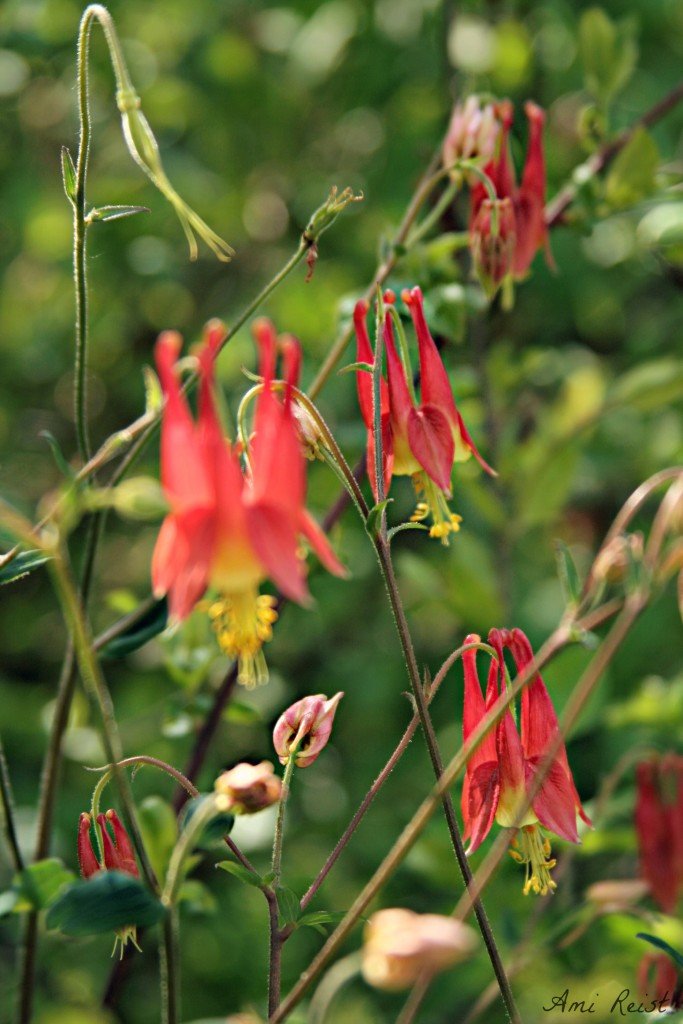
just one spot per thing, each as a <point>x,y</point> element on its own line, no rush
<point>21,565</point>
<point>352,367</point>
<point>608,51</point>
<point>402,527</point>
<point>661,944</point>
<point>318,919</point>
<point>568,573</point>
<point>159,831</point>
<point>197,897</point>
<point>219,826</point>
<point>289,905</point>
<point>632,174</point>
<point>8,901</point>
<point>108,901</point>
<point>243,714</point>
<point>372,521</point>
<point>39,884</point>
<point>651,386</point>
<point>149,625</point>
<point>68,175</point>
<point>244,875</point>
<point>104,213</point>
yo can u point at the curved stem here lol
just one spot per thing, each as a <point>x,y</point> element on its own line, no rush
<point>340,974</point>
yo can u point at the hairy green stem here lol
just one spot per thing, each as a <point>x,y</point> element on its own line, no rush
<point>7,800</point>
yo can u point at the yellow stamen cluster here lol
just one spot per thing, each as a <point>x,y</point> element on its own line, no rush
<point>531,848</point>
<point>433,503</point>
<point>243,622</point>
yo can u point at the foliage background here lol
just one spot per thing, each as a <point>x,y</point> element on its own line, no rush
<point>575,397</point>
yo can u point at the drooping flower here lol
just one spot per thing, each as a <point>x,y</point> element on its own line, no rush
<point>492,243</point>
<point>659,827</point>
<point>503,768</point>
<point>528,199</point>
<point>232,524</point>
<point>248,788</point>
<point>421,440</point>
<point>400,945</point>
<point>305,728</point>
<point>118,855</point>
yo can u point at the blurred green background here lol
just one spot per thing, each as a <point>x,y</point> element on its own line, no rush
<point>574,396</point>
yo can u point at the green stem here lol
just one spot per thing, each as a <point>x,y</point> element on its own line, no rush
<point>186,842</point>
<point>340,974</point>
<point>7,801</point>
<point>169,970</point>
<point>276,864</point>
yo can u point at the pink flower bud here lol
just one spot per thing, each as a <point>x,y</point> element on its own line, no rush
<point>304,729</point>
<point>248,788</point>
<point>472,133</point>
<point>399,945</point>
<point>492,243</point>
<point>611,896</point>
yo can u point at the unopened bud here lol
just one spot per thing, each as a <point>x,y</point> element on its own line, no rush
<point>87,859</point>
<point>492,243</point>
<point>399,945</point>
<point>248,788</point>
<point>472,133</point>
<point>308,431</point>
<point>304,729</point>
<point>119,854</point>
<point>326,214</point>
<point>614,559</point>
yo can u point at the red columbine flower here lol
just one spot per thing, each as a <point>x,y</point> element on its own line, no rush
<point>422,440</point>
<point>501,770</point>
<point>528,199</point>
<point>231,526</point>
<point>660,982</point>
<point>492,243</point>
<point>118,856</point>
<point>659,827</point>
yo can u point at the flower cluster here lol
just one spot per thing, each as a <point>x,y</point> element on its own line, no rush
<point>421,440</point>
<point>118,855</point>
<point>233,521</point>
<point>507,221</point>
<point>503,768</point>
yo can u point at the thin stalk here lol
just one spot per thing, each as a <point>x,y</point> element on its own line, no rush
<point>276,865</point>
<point>276,938</point>
<point>7,800</point>
<point>169,969</point>
<point>339,974</point>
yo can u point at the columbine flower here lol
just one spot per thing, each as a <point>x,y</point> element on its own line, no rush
<point>492,243</point>
<point>305,728</point>
<point>118,856</point>
<point>659,827</point>
<point>422,440</point>
<point>400,945</point>
<point>502,769</point>
<point>660,982</point>
<point>230,527</point>
<point>472,133</point>
<point>528,199</point>
<point>248,788</point>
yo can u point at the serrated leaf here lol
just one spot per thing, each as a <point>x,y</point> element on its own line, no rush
<point>105,213</point>
<point>21,565</point>
<point>68,175</point>
<point>39,884</point>
<point>632,174</point>
<point>289,905</point>
<point>149,625</point>
<point>239,871</point>
<point>661,944</point>
<point>568,573</point>
<point>107,901</point>
<point>372,521</point>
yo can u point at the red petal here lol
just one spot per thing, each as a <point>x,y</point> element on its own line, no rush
<point>554,805</point>
<point>431,441</point>
<point>364,354</point>
<point>399,396</point>
<point>182,559</point>
<point>388,457</point>
<point>111,857</point>
<point>124,847</point>
<point>321,545</point>
<point>275,540</point>
<point>474,708</point>
<point>483,792</point>
<point>530,201</point>
<point>87,860</point>
<point>435,386</point>
<point>655,838</point>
